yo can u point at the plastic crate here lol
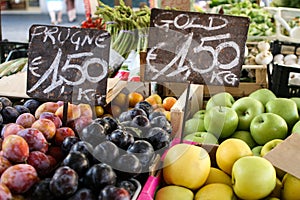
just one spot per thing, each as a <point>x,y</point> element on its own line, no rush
<point>279,75</point>
<point>12,50</point>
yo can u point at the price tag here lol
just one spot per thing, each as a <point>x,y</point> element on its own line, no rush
<point>69,64</point>
<point>195,47</point>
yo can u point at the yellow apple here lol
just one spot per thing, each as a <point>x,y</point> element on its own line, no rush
<point>253,177</point>
<point>186,165</point>
<point>218,176</point>
<point>174,192</point>
<point>291,187</point>
<point>215,191</point>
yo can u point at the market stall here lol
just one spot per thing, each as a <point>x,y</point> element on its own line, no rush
<point>154,103</point>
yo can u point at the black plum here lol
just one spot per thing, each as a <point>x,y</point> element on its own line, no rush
<point>41,190</point>
<point>21,109</point>
<point>64,182</point>
<point>83,194</point>
<point>67,143</point>
<point>5,101</point>
<point>141,121</point>
<point>9,114</point>
<point>162,122</point>
<point>135,112</point>
<point>159,138</point>
<point>147,107</point>
<point>32,105</point>
<point>155,114</point>
<point>104,123</point>
<point>106,152</point>
<point>77,161</point>
<point>93,133</point>
<point>127,166</point>
<point>112,192</point>
<point>83,147</point>
<point>121,138</point>
<point>127,185</point>
<point>98,176</point>
<point>113,123</point>
<point>144,152</point>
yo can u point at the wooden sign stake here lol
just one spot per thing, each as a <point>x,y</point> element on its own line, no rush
<point>65,113</point>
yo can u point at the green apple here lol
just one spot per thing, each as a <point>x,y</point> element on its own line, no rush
<point>202,137</point>
<point>220,99</point>
<point>245,136</point>
<point>297,101</point>
<point>284,107</point>
<point>269,146</point>
<point>174,192</point>
<point>253,177</point>
<point>296,128</point>
<point>247,108</point>
<point>256,150</point>
<point>193,125</point>
<point>268,126</point>
<point>199,114</point>
<point>263,95</point>
<point>221,121</point>
<point>291,185</point>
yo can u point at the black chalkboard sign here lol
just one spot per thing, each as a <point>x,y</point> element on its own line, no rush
<point>68,64</point>
<point>195,47</point>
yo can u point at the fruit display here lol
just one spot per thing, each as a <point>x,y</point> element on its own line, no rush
<point>100,157</point>
<point>205,178</point>
<point>246,175</point>
<point>238,152</point>
<point>257,118</point>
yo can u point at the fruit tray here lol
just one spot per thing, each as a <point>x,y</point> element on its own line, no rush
<point>284,78</point>
<point>155,181</point>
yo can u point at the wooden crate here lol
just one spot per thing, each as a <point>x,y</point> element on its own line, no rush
<point>191,105</point>
<point>245,88</point>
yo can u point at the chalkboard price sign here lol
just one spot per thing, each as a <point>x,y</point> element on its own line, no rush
<point>195,47</point>
<point>69,64</point>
